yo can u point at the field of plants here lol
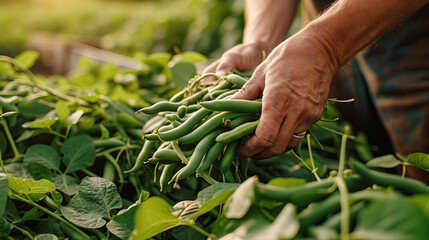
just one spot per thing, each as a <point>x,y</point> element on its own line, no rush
<point>112,153</point>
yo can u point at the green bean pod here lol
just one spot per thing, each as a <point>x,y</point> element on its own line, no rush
<point>143,155</point>
<point>110,142</point>
<point>234,105</point>
<point>181,111</point>
<point>217,93</point>
<point>221,86</point>
<point>161,107</point>
<point>170,154</point>
<point>208,126</point>
<point>214,152</point>
<point>178,96</point>
<point>195,97</point>
<point>238,132</point>
<point>239,121</point>
<point>153,137</point>
<point>200,151</point>
<point>166,174</point>
<point>236,80</point>
<point>228,157</point>
<point>227,94</point>
<point>185,127</point>
<point>406,185</point>
<point>194,107</point>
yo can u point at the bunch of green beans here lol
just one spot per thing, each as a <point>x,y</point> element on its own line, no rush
<point>200,132</point>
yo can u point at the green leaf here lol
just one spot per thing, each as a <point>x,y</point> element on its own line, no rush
<point>40,123</point>
<point>79,153</point>
<point>421,200</point>
<point>7,114</point>
<point>161,59</point>
<point>285,226</point>
<point>74,117</point>
<point>391,219</point>
<point>153,123</point>
<point>213,196</point>
<point>27,58</point>
<point>182,72</point>
<point>95,199</point>
<point>386,161</point>
<point>154,217</point>
<point>192,57</point>
<point>420,160</point>
<point>45,236</point>
<point>38,171</point>
<point>5,228</point>
<point>27,134</point>
<point>122,224</point>
<point>66,184</point>
<point>241,199</point>
<point>6,68</point>
<point>28,187</point>
<point>32,214</point>
<point>43,154</point>
<point>62,110</point>
<point>34,109</point>
<point>185,209</point>
<point>287,182</point>
<point>3,192</point>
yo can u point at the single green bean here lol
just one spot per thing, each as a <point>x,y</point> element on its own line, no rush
<point>239,121</point>
<point>208,126</point>
<point>406,185</point>
<point>194,107</point>
<point>161,107</point>
<point>236,80</point>
<point>214,152</point>
<point>153,137</point>
<point>143,156</point>
<point>200,151</point>
<point>227,94</point>
<point>238,132</point>
<point>234,105</point>
<point>166,174</point>
<point>178,96</point>
<point>184,128</point>
<point>228,157</point>
<point>181,111</point>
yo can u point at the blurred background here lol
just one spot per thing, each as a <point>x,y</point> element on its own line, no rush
<point>126,27</point>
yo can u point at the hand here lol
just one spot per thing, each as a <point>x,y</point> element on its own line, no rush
<point>294,84</point>
<point>242,57</point>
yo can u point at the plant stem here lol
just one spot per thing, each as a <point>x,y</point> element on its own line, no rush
<point>198,229</point>
<point>89,173</point>
<point>343,151</point>
<point>303,162</point>
<point>404,169</point>
<point>314,170</point>
<point>16,153</point>
<point>208,178</point>
<point>98,233</point>
<point>26,233</point>
<point>56,133</point>
<point>100,154</point>
<point>345,208</point>
<point>117,167</point>
<point>1,163</point>
<point>334,131</point>
<point>30,202</point>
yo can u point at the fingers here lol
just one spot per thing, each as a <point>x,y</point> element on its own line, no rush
<point>253,88</point>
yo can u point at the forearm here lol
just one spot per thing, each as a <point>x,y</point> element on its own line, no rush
<point>350,25</point>
<point>268,21</point>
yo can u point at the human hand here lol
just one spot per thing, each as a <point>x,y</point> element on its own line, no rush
<point>242,57</point>
<point>294,84</point>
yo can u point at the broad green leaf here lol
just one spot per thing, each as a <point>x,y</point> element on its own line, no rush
<point>154,217</point>
<point>192,57</point>
<point>43,154</point>
<point>32,214</point>
<point>79,153</point>
<point>185,209</point>
<point>182,72</point>
<point>6,114</point>
<point>66,184</point>
<point>421,200</point>
<point>122,224</point>
<point>285,226</point>
<point>153,123</point>
<point>62,110</point>
<point>28,187</point>
<point>40,123</point>
<point>287,182</point>
<point>386,161</point>
<point>5,228</point>
<point>95,199</point>
<point>241,199</point>
<point>420,160</point>
<point>74,117</point>
<point>161,59</point>
<point>34,109</point>
<point>391,219</point>
<point>45,236</point>
<point>27,134</point>
<point>6,68</point>
<point>38,171</point>
<point>3,192</point>
<point>18,170</point>
<point>27,58</point>
<point>213,196</point>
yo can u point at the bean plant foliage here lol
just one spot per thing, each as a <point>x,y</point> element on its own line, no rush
<point>85,157</point>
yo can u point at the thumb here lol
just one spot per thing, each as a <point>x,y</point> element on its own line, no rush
<point>252,89</point>
<point>226,66</point>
